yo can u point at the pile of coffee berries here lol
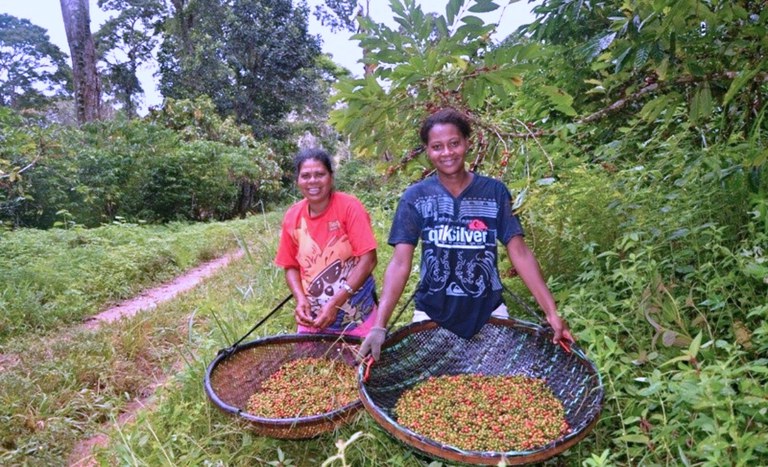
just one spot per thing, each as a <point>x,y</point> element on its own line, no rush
<point>305,387</point>
<point>483,413</point>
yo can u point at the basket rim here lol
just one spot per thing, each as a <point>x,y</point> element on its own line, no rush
<point>450,453</point>
<point>224,354</point>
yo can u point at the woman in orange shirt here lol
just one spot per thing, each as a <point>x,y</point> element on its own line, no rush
<point>328,251</point>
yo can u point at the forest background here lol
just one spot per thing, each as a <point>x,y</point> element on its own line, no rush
<point>631,134</point>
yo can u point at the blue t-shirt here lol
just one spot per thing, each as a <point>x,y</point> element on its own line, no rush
<point>459,283</point>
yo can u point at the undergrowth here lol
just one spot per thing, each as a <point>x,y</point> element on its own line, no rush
<point>60,276</point>
<point>663,292</point>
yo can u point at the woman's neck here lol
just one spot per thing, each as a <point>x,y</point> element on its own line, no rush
<point>457,182</point>
<point>317,208</point>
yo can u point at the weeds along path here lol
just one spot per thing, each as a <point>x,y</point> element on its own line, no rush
<point>82,453</point>
<point>149,299</point>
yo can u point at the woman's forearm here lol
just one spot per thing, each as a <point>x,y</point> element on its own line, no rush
<point>395,278</point>
<point>366,263</point>
<point>293,280</point>
<point>528,269</point>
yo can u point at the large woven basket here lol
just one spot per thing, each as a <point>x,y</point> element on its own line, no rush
<point>502,347</point>
<point>236,373</point>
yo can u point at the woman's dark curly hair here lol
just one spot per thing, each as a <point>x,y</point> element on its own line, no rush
<point>443,116</point>
<point>313,154</point>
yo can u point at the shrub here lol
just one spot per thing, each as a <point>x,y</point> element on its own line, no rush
<point>140,170</point>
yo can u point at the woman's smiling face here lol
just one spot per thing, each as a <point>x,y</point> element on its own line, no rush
<point>315,181</point>
<point>447,148</point>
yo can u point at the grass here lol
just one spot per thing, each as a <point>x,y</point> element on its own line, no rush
<point>65,384</point>
<point>58,277</point>
<point>61,383</point>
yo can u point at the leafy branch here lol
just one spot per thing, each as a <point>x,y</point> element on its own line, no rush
<point>14,175</point>
<point>657,85</point>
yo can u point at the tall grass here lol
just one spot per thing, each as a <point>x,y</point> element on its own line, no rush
<point>57,277</point>
<point>57,388</point>
<point>666,299</point>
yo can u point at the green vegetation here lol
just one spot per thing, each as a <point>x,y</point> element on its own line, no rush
<point>256,60</point>
<point>632,135</point>
<point>61,276</point>
<point>183,162</point>
<point>31,65</point>
<point>684,373</point>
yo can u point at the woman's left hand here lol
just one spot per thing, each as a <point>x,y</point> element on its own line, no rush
<point>326,315</point>
<point>560,327</point>
<point>303,313</point>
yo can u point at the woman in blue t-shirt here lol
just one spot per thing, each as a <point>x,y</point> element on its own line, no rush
<point>459,216</point>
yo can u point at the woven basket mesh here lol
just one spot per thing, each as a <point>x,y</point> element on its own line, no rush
<point>502,347</point>
<point>237,373</point>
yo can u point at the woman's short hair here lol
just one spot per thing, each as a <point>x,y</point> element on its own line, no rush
<point>315,154</point>
<point>443,116</point>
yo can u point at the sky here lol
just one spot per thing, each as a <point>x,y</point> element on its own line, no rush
<point>345,52</point>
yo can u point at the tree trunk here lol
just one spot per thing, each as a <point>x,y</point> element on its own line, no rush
<point>185,21</point>
<point>244,199</point>
<point>77,23</point>
<point>368,68</point>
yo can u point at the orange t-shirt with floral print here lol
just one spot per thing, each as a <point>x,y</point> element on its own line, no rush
<point>325,249</point>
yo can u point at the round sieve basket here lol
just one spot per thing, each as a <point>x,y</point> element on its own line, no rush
<point>236,373</point>
<point>501,348</point>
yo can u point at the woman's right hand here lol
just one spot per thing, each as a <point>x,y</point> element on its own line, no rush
<point>372,343</point>
<point>303,313</point>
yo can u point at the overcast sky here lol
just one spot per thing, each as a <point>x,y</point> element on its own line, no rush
<point>47,14</point>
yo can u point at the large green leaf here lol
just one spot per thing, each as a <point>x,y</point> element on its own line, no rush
<point>452,10</point>
<point>641,56</point>
<point>744,77</point>
<point>620,60</point>
<point>483,7</point>
<point>653,108</point>
<point>560,100</point>
<point>596,45</point>
<point>701,104</point>
<point>472,21</point>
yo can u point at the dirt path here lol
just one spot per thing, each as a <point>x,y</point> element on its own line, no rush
<point>82,453</point>
<point>149,299</point>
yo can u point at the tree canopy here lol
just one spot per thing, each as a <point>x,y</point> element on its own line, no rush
<point>255,59</point>
<point>125,42</point>
<point>579,72</point>
<point>32,69</point>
